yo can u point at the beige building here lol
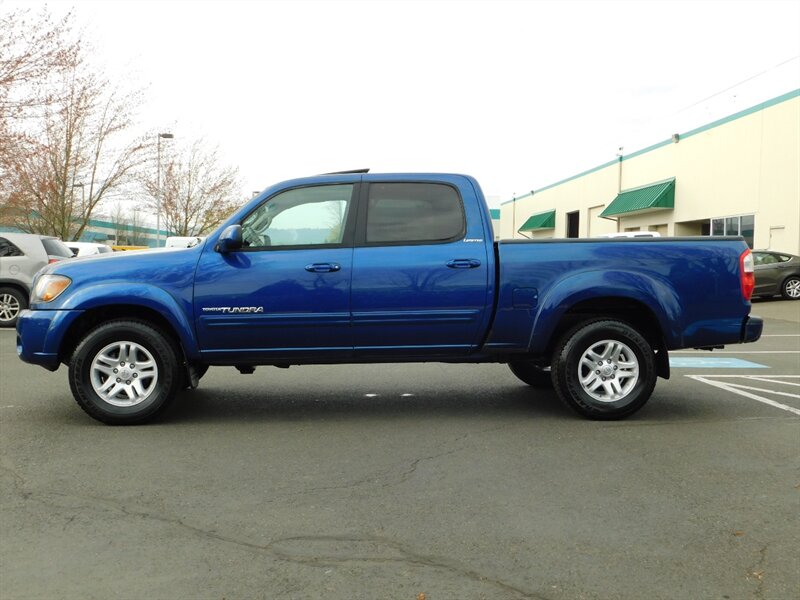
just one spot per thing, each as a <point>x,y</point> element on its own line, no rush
<point>736,176</point>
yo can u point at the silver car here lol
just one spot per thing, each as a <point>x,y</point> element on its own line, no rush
<point>777,273</point>
<point>21,256</point>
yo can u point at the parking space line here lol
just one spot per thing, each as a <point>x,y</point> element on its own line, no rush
<point>735,352</point>
<point>774,380</point>
<point>739,386</point>
<point>737,389</point>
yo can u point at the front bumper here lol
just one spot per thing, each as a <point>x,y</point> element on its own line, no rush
<point>40,334</point>
<point>751,329</point>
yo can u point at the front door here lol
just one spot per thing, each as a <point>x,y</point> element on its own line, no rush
<point>286,293</point>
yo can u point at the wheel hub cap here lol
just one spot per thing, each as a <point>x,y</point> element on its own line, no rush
<point>124,374</point>
<point>9,307</point>
<point>608,370</point>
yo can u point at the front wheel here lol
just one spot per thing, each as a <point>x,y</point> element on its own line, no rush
<point>124,372</point>
<point>604,370</point>
<point>790,289</point>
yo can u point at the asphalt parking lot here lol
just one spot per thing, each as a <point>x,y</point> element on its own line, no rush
<point>392,481</point>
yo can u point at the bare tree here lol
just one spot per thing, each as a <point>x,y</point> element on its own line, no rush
<point>137,237</point>
<point>60,172</point>
<point>33,52</point>
<point>122,225</point>
<point>32,49</point>
<point>197,191</point>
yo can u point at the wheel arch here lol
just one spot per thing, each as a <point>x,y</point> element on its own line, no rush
<point>93,317</point>
<point>17,286</point>
<point>634,312</point>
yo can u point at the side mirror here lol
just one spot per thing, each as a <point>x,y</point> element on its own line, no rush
<point>230,239</point>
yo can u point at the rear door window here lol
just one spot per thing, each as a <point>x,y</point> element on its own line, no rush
<point>55,247</point>
<point>415,213</point>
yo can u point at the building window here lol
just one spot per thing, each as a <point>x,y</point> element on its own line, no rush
<point>743,225</point>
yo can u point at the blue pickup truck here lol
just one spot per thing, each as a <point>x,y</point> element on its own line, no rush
<point>370,268</point>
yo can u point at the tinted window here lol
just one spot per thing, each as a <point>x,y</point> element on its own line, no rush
<point>54,247</point>
<point>761,258</point>
<point>9,249</point>
<point>413,212</point>
<point>299,217</point>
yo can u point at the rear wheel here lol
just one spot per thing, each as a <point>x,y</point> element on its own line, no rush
<point>12,302</point>
<point>790,289</point>
<point>532,374</point>
<point>604,370</point>
<point>124,372</point>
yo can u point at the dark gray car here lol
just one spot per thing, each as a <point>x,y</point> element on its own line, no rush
<point>777,273</point>
<point>21,256</point>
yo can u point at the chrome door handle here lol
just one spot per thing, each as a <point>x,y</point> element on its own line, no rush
<point>323,267</point>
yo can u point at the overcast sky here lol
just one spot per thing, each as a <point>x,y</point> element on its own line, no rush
<point>518,94</point>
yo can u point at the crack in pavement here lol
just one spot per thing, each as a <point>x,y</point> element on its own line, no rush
<point>757,572</point>
<point>388,473</point>
<point>403,554</point>
<point>281,549</point>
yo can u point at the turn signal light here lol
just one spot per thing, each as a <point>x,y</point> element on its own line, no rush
<point>49,287</point>
<point>747,274</point>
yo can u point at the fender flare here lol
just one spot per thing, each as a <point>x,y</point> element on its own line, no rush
<point>146,296</point>
<point>655,293</point>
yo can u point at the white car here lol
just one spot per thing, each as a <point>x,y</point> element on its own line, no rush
<point>87,248</point>
<point>177,241</point>
<point>632,234</point>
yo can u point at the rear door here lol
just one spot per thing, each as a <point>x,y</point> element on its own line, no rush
<point>420,273</point>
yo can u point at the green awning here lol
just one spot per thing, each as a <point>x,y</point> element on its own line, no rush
<point>656,196</point>
<point>545,220</point>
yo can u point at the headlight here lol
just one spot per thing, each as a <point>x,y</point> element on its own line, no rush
<point>49,287</point>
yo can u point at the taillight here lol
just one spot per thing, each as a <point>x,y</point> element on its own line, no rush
<point>52,260</point>
<point>747,274</point>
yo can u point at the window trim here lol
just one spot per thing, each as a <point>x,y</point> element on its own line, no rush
<point>349,227</point>
<point>363,207</point>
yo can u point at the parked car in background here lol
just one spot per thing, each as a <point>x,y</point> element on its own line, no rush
<point>21,256</point>
<point>631,234</point>
<point>777,273</point>
<point>87,248</point>
<point>176,241</point>
<point>128,248</point>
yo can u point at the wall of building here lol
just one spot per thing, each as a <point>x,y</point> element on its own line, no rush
<point>745,164</point>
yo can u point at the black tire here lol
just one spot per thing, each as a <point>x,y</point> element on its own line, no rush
<point>625,388</point>
<point>154,382</point>
<point>12,302</point>
<point>790,289</point>
<point>532,374</point>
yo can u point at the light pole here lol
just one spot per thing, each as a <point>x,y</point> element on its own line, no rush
<point>166,136</point>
